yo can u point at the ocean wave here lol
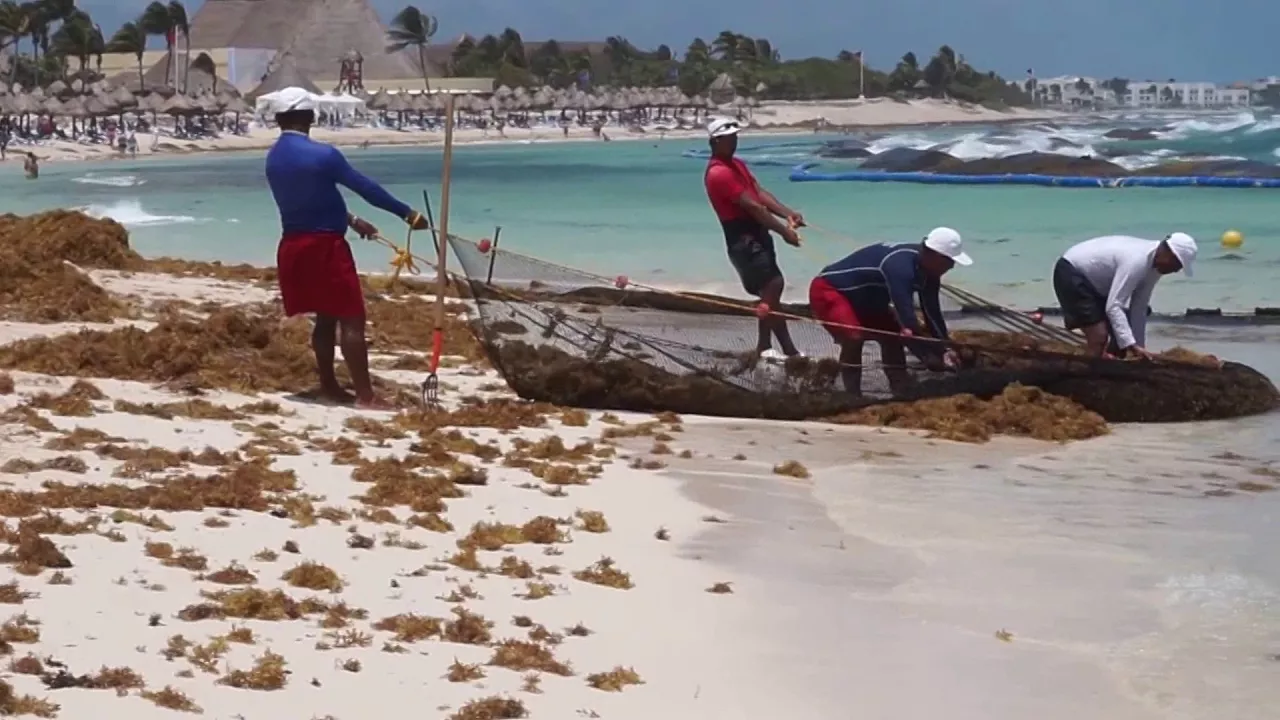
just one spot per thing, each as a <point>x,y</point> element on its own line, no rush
<point>120,181</point>
<point>1133,140</point>
<point>131,214</point>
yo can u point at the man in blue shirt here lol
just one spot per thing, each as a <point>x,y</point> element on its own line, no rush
<point>869,296</point>
<point>316,270</point>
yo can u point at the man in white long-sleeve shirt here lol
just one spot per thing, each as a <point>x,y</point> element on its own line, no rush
<point>1104,287</point>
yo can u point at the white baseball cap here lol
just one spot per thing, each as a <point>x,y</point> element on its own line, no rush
<point>723,127</point>
<point>292,99</point>
<point>1184,247</point>
<point>947,242</point>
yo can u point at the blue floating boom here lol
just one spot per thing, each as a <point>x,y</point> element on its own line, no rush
<point>803,173</point>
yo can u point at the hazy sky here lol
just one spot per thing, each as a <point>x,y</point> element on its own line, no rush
<point>1139,39</point>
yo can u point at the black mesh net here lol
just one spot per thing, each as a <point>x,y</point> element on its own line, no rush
<point>569,337</point>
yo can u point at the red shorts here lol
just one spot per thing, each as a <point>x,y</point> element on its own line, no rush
<point>318,275</point>
<point>837,315</point>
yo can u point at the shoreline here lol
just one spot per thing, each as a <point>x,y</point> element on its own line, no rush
<point>778,119</point>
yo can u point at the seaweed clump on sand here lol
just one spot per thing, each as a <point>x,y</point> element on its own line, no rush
<point>230,349</point>
<point>1018,410</point>
<point>36,282</point>
<point>1180,385</point>
<point>547,374</point>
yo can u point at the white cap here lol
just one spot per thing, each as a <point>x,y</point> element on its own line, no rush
<point>947,242</point>
<point>292,99</point>
<point>1184,247</point>
<point>723,127</point>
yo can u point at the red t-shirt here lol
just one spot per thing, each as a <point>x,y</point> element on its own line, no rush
<point>725,182</point>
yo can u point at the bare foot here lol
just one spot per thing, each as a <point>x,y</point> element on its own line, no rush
<point>376,404</point>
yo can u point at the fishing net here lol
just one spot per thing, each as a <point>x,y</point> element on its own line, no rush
<point>562,335</point>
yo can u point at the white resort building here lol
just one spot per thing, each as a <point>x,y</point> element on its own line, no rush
<point>1078,91</point>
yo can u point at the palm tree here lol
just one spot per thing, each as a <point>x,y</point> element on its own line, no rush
<point>180,25</point>
<point>156,20</point>
<point>726,46</point>
<point>131,38</point>
<point>412,27</point>
<point>79,38</point>
<point>13,27</point>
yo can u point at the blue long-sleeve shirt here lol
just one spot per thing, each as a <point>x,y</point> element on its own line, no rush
<point>878,276</point>
<point>304,176</point>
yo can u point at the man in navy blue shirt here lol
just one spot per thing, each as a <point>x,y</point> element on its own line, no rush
<point>317,273</point>
<point>870,296</point>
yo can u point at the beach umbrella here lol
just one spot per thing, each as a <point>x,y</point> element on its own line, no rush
<point>176,105</point>
<point>4,88</point>
<point>51,106</point>
<point>123,98</point>
<point>24,104</point>
<point>236,105</point>
<point>96,105</point>
<point>423,103</point>
<point>379,101</point>
<point>36,94</point>
<point>207,103</point>
<point>502,93</point>
<point>56,88</point>
<point>7,105</point>
<point>397,103</point>
<point>73,108</point>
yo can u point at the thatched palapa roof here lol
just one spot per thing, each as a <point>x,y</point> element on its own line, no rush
<point>198,81</point>
<point>284,73</point>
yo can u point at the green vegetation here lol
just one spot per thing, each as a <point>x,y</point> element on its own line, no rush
<point>51,39</point>
<point>732,62</point>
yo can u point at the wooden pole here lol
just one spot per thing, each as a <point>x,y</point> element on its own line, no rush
<point>442,236</point>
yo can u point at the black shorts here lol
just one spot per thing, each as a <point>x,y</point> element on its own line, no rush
<point>752,253</point>
<point>1082,305</point>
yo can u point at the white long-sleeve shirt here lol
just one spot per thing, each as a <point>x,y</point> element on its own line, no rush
<point>1121,268</point>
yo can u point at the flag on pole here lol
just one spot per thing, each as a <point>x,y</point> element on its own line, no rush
<point>171,36</point>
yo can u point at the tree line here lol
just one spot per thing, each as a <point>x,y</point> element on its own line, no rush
<point>752,65</point>
<point>54,39</point>
<point>50,39</point>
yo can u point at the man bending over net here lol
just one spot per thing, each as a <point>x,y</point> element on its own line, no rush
<point>316,271</point>
<point>870,296</point>
<point>747,212</point>
<point>1104,287</point>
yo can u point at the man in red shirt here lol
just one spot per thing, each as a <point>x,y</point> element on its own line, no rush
<point>747,213</point>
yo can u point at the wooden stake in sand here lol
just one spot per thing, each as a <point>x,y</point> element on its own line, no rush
<point>431,386</point>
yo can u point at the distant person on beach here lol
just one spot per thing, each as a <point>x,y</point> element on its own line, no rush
<point>1104,287</point>
<point>874,289</point>
<point>31,165</point>
<point>316,269</point>
<point>747,213</point>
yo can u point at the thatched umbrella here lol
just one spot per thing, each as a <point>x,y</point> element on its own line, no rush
<point>36,94</point>
<point>74,108</point>
<point>503,92</point>
<point>380,101</point>
<point>96,105</point>
<point>207,103</point>
<point>56,88</point>
<point>422,103</point>
<point>236,105</point>
<point>4,88</point>
<point>7,105</point>
<point>24,104</point>
<point>123,98</point>
<point>51,106</point>
<point>178,105</point>
<point>398,103</point>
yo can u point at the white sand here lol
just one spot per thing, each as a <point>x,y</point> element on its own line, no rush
<point>769,117</point>
<point>878,584</point>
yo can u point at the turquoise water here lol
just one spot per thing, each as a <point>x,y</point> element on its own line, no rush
<point>637,208</point>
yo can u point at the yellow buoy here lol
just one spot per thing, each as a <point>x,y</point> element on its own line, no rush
<point>1232,239</point>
